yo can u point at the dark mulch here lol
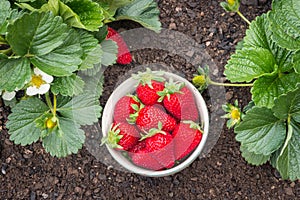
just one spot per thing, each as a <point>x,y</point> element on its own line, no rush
<point>30,173</point>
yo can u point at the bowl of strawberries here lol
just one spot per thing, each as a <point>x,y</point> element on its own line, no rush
<point>155,123</point>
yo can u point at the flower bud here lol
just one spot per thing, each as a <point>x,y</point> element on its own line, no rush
<point>231,2</point>
<point>50,123</point>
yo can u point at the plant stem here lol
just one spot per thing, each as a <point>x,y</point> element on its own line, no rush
<point>2,40</point>
<point>48,101</point>
<point>243,17</point>
<point>6,51</point>
<point>54,105</point>
<point>231,84</point>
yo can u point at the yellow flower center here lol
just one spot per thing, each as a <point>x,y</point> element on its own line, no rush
<point>231,2</point>
<point>235,114</point>
<point>37,81</point>
<point>50,124</point>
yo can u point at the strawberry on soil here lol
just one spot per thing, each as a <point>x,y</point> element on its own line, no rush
<point>123,56</point>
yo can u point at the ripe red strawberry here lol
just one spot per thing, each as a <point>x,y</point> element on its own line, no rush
<point>126,106</point>
<point>149,84</point>
<point>150,116</point>
<point>122,136</point>
<point>161,148</point>
<point>124,56</point>
<point>148,94</point>
<point>142,157</point>
<point>179,101</point>
<point>186,136</point>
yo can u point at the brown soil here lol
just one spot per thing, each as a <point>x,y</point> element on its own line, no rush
<point>30,173</point>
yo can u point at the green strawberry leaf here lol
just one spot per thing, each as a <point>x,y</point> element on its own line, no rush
<point>266,89</point>
<point>260,131</point>
<point>259,35</point>
<point>84,109</point>
<point>58,8</point>
<point>285,24</point>
<point>63,60</point>
<point>67,85</point>
<point>288,162</point>
<point>36,25</point>
<point>296,62</point>
<point>110,51</point>
<point>4,11</point>
<point>16,69</point>
<point>13,15</point>
<point>101,34</point>
<point>90,14</point>
<point>93,84</point>
<point>22,121</point>
<point>250,63</point>
<point>64,140</point>
<point>287,105</point>
<point>252,158</point>
<point>92,51</point>
<point>32,3</point>
<point>144,12</point>
<point>83,14</point>
<point>23,1</point>
<point>113,5</point>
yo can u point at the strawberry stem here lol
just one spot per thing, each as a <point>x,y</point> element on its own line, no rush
<point>243,17</point>
<point>230,84</point>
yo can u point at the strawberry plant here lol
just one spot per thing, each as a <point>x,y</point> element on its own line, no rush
<point>150,125</point>
<point>51,54</point>
<point>268,61</point>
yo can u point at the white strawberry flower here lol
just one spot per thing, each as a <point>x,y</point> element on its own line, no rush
<point>40,83</point>
<point>8,96</point>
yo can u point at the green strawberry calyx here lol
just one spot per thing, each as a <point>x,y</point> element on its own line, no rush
<point>136,108</point>
<point>153,131</point>
<point>171,87</point>
<point>113,137</point>
<point>146,78</point>
<point>193,125</point>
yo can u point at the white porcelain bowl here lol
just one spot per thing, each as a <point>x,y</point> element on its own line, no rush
<point>127,87</point>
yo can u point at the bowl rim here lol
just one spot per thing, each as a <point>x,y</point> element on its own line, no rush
<point>124,162</point>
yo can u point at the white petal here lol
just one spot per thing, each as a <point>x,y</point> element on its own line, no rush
<point>44,88</point>
<point>37,71</point>
<point>0,92</point>
<point>47,78</point>
<point>8,96</point>
<point>31,91</point>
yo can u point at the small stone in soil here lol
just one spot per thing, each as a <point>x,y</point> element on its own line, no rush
<point>289,191</point>
<point>32,196</point>
<point>3,169</point>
